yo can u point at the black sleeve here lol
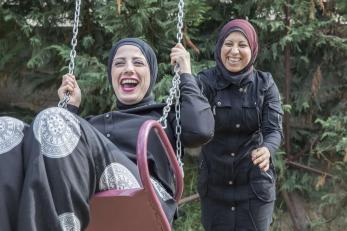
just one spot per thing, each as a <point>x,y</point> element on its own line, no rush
<point>73,109</point>
<point>272,119</point>
<point>197,120</point>
<point>205,86</point>
<point>76,110</point>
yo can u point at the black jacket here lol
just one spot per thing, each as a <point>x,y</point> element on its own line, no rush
<point>246,117</point>
<point>197,123</point>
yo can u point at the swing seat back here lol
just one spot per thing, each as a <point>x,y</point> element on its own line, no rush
<point>136,209</point>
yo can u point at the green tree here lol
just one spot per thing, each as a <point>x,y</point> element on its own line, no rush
<point>303,43</point>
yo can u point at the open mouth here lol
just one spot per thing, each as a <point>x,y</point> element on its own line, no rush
<point>233,60</point>
<point>128,85</point>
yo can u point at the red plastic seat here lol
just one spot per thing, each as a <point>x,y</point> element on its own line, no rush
<point>136,209</point>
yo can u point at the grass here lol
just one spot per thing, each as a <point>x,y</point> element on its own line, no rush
<point>189,213</point>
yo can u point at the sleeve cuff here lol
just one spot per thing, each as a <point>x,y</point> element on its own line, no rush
<point>272,152</point>
<point>73,109</point>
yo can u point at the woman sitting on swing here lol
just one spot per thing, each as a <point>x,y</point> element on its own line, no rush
<point>68,160</point>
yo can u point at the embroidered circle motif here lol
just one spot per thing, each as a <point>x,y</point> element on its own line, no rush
<point>58,131</point>
<point>160,190</point>
<point>117,176</point>
<point>69,222</point>
<point>11,133</point>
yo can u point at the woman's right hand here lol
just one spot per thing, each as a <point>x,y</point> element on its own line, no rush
<point>69,84</point>
<point>179,55</point>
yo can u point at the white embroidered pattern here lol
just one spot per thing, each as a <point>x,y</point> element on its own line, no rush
<point>117,176</point>
<point>11,133</point>
<point>160,190</point>
<point>58,132</point>
<point>69,222</point>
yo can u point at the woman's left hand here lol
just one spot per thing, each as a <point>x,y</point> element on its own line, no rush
<point>181,56</point>
<point>261,157</point>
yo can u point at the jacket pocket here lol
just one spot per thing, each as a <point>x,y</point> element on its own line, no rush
<point>222,116</point>
<point>263,184</point>
<point>275,114</point>
<point>251,117</point>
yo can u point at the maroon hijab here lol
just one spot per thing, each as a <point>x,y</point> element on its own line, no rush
<point>249,32</point>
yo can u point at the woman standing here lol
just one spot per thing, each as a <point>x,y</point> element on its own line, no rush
<point>236,175</point>
<point>69,159</point>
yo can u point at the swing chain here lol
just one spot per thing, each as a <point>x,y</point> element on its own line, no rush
<point>180,20</point>
<point>178,121</point>
<point>174,93</point>
<point>65,100</point>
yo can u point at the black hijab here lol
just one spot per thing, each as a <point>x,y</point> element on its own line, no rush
<point>151,58</point>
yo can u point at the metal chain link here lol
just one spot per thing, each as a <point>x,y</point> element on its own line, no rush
<point>174,92</point>
<point>63,103</point>
<point>180,20</point>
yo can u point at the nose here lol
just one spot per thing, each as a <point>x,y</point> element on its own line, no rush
<point>234,50</point>
<point>129,68</point>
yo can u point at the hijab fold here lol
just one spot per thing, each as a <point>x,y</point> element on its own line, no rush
<point>151,58</point>
<point>245,75</point>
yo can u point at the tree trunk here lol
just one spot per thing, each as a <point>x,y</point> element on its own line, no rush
<point>297,211</point>
<point>293,201</point>
<point>288,81</point>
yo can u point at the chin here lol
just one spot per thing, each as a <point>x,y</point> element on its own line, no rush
<point>234,70</point>
<point>130,101</point>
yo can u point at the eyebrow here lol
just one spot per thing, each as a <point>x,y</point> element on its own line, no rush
<point>123,58</point>
<point>240,41</point>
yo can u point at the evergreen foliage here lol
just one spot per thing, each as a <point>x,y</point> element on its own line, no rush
<point>35,44</point>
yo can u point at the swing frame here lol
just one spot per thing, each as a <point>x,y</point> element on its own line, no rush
<point>142,205</point>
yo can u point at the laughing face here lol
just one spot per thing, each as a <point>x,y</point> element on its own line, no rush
<point>235,52</point>
<point>130,75</point>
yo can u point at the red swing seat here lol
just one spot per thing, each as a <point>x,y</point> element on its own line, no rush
<point>136,209</point>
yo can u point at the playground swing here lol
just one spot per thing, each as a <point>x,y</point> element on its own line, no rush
<point>141,205</point>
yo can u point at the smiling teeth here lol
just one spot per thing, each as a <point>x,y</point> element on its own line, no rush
<point>129,81</point>
<point>234,60</point>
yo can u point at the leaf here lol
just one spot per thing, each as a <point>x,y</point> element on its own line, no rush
<point>305,105</point>
<point>321,182</point>
<point>287,108</point>
<point>328,134</point>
